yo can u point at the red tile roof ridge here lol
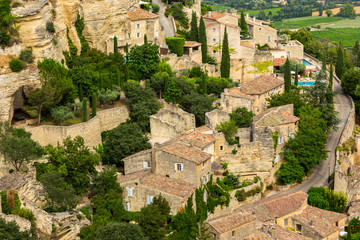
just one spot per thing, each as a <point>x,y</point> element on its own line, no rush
<point>140,14</point>
<point>197,139</point>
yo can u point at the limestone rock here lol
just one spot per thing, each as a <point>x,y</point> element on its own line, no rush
<point>24,224</point>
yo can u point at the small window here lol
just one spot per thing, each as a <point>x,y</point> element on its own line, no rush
<point>179,167</point>
<point>145,164</point>
<point>214,52</point>
<point>221,148</point>
<point>269,38</point>
<point>203,164</point>
<point>130,191</point>
<point>286,222</point>
<point>167,176</point>
<point>258,96</point>
<point>233,233</point>
<point>259,28</point>
<point>127,206</point>
<point>138,35</point>
<point>128,35</point>
<point>277,157</point>
<point>264,94</point>
<point>337,223</point>
<point>298,227</point>
<point>279,140</point>
<point>214,29</point>
<point>258,109</point>
<point>150,199</point>
<point>138,26</point>
<point>264,106</point>
<point>214,40</point>
<point>273,91</point>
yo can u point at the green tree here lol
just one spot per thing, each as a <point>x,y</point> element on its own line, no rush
<point>339,65</point>
<point>203,40</point>
<point>123,141</point>
<point>11,231</point>
<point>172,93</point>
<point>194,31</point>
<point>329,12</point>
<point>217,85</point>
<point>331,76</point>
<point>61,113</point>
<point>293,97</point>
<point>116,49</point>
<point>225,57</point>
<point>197,104</point>
<point>296,77</point>
<point>74,161</point>
<point>327,199</point>
<point>145,39</point>
<point>120,231</point>
<point>59,194</point>
<point>16,65</point>
<point>84,110</point>
<point>321,9</point>
<point>229,128</point>
<point>262,15</point>
<point>93,105</point>
<point>347,11</point>
<point>287,75</point>
<point>243,25</point>
<point>242,117</point>
<point>145,59</point>
<point>17,147</point>
<point>158,82</point>
<point>204,84</point>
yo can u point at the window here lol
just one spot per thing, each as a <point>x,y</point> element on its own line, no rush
<point>298,227</point>
<point>138,26</point>
<point>214,40</point>
<point>286,222</point>
<point>130,191</point>
<point>203,164</point>
<point>214,51</point>
<point>150,199</point>
<point>259,28</point>
<point>233,233</point>
<point>138,35</point>
<point>127,206</point>
<point>277,157</point>
<point>128,35</point>
<point>273,91</point>
<point>145,164</point>
<point>214,29</point>
<point>337,223</point>
<point>221,148</point>
<point>264,106</point>
<point>179,167</point>
<point>269,38</point>
<point>264,94</point>
<point>258,109</point>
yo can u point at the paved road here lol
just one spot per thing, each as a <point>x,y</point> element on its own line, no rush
<point>321,172</point>
<point>164,21</point>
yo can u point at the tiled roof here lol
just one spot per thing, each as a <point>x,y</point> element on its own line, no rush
<point>258,236</point>
<point>275,117</point>
<point>280,233</point>
<point>321,221</point>
<point>186,152</point>
<point>235,91</point>
<point>281,61</point>
<point>197,139</point>
<point>192,44</point>
<point>214,15</point>
<point>132,176</point>
<point>277,205</point>
<point>260,85</point>
<point>231,221</point>
<point>140,14</point>
<point>168,185</point>
<point>263,24</point>
<point>148,151</point>
<point>204,129</point>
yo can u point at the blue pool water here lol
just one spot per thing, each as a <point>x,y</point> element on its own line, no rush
<point>304,83</point>
<point>305,62</point>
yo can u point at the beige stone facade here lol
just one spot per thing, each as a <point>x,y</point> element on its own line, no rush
<point>261,32</point>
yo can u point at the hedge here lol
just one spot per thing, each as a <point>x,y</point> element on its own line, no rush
<point>176,45</point>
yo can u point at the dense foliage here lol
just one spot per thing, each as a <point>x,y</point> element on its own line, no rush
<point>242,117</point>
<point>176,45</point>
<point>327,199</point>
<point>16,65</point>
<point>7,23</point>
<point>11,231</point>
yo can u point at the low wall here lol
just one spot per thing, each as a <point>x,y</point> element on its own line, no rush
<point>90,130</point>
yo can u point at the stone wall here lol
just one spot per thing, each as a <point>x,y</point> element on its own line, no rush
<point>216,117</point>
<point>90,130</point>
<point>24,224</point>
<point>229,103</point>
<point>170,122</point>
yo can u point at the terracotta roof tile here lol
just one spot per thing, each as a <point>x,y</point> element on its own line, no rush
<point>280,233</point>
<point>258,236</point>
<point>281,61</point>
<point>263,24</point>
<point>275,117</point>
<point>133,176</point>
<point>323,221</point>
<point>168,185</point>
<point>214,15</point>
<point>260,85</point>
<point>277,205</point>
<point>192,44</point>
<point>235,91</point>
<point>139,14</point>
<point>148,151</point>
<point>230,221</point>
<point>197,139</point>
<point>186,152</point>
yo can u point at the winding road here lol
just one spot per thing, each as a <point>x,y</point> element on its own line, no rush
<point>165,22</point>
<point>322,172</point>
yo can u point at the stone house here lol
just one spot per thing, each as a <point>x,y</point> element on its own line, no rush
<point>261,32</point>
<point>139,23</point>
<point>290,210</point>
<point>251,94</point>
<point>173,169</point>
<point>193,50</point>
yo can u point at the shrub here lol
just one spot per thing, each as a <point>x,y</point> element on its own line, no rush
<point>10,201</point>
<point>155,8</point>
<point>195,72</point>
<point>25,213</point>
<point>26,55</point>
<point>50,27</point>
<point>240,195</point>
<point>16,65</point>
<point>176,45</point>
<point>15,5</point>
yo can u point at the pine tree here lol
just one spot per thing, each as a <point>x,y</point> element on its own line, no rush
<point>296,76</point>
<point>204,83</point>
<point>339,65</point>
<point>203,40</point>
<point>84,110</point>
<point>331,77</point>
<point>116,50</point>
<point>243,25</point>
<point>287,75</point>
<point>93,104</point>
<point>225,57</point>
<point>194,31</point>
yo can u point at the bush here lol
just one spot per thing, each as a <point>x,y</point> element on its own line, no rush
<point>195,72</point>
<point>176,45</point>
<point>10,201</point>
<point>25,213</point>
<point>50,27</point>
<point>240,195</point>
<point>26,55</point>
<point>16,65</point>
<point>155,8</point>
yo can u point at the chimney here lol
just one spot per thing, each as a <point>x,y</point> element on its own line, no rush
<point>150,9</point>
<point>210,13</point>
<point>254,18</point>
<point>247,16</point>
<point>154,157</point>
<point>260,23</point>
<point>311,222</point>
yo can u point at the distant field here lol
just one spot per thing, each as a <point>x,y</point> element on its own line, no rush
<point>219,8</point>
<point>348,36</point>
<point>336,11</point>
<point>294,23</point>
<point>256,12</point>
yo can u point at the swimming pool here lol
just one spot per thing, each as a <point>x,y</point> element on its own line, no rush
<point>304,83</point>
<point>305,62</point>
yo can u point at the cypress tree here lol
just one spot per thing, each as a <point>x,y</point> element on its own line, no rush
<point>101,82</point>
<point>204,83</point>
<point>296,76</point>
<point>339,65</point>
<point>331,77</point>
<point>127,73</point>
<point>145,39</point>
<point>93,104</point>
<point>81,94</point>
<point>116,50</point>
<point>225,57</point>
<point>323,66</point>
<point>84,110</point>
<point>203,40</point>
<point>194,31</point>
<point>243,25</point>
<point>118,78</point>
<point>287,75</point>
